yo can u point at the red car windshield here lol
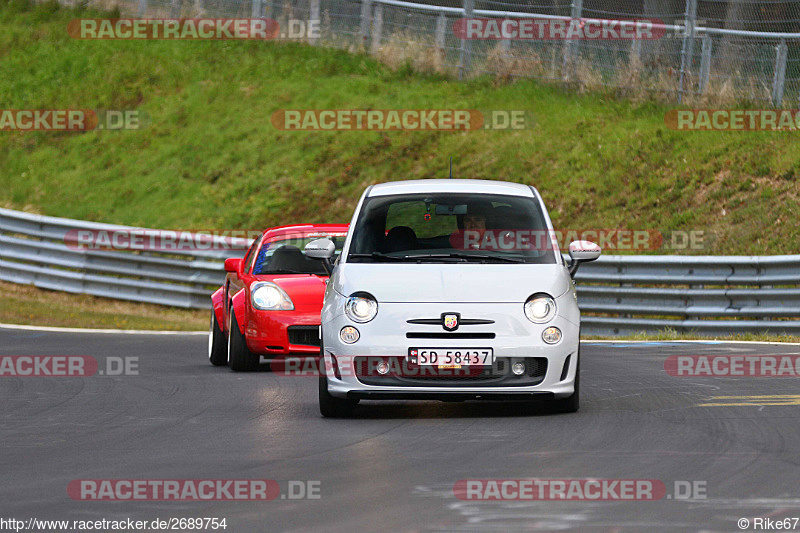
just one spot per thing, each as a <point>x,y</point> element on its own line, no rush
<point>286,255</point>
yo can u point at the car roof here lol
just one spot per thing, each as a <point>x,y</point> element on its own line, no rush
<point>306,230</point>
<point>451,186</point>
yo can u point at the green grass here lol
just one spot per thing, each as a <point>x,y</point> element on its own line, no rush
<point>210,157</point>
<point>672,335</point>
<point>25,304</point>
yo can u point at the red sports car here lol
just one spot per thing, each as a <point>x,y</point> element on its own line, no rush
<point>270,303</point>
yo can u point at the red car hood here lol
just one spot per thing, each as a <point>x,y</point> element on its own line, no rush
<point>305,290</point>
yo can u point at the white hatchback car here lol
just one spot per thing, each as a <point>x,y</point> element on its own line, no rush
<point>450,290</point>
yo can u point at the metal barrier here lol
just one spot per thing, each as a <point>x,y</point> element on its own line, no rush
<point>34,251</point>
<point>704,294</point>
<point>617,294</point>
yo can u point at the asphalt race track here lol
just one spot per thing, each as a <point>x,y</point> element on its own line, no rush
<point>393,467</point>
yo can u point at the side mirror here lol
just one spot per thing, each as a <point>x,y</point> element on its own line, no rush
<point>232,264</point>
<point>582,252</point>
<point>322,249</point>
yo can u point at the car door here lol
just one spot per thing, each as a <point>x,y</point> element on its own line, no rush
<point>236,281</point>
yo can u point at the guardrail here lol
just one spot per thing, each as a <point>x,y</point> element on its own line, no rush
<point>34,251</point>
<point>617,294</point>
<point>710,295</point>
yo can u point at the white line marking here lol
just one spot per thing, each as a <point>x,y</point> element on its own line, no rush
<point>699,341</point>
<point>204,332</point>
<point>114,331</point>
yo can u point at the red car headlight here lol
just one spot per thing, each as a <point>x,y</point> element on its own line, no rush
<point>268,296</point>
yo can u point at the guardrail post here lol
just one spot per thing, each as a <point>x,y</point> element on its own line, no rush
<point>705,63</point>
<point>505,46</point>
<point>465,58</point>
<point>635,58</point>
<point>257,9</point>
<point>636,51</point>
<point>571,45</point>
<point>687,48</point>
<point>313,15</point>
<point>377,28</point>
<point>366,9</point>
<point>781,52</point>
<point>441,25</point>
<point>142,7</point>
<point>175,9</point>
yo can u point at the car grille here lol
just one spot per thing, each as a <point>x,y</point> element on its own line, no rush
<point>456,335</point>
<point>402,373</point>
<point>304,335</point>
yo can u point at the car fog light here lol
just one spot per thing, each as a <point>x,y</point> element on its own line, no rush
<point>551,335</point>
<point>383,368</point>
<point>349,335</point>
<point>518,369</point>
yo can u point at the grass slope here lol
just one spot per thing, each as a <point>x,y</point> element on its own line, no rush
<point>210,158</point>
<point>25,304</point>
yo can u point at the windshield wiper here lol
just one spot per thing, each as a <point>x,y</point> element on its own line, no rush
<point>417,258</point>
<point>281,271</point>
<point>376,255</point>
<point>481,257</point>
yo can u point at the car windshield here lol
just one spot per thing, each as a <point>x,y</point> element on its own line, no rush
<point>456,228</point>
<point>286,255</point>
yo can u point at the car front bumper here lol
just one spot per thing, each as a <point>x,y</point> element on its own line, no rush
<point>513,338</point>
<point>268,333</point>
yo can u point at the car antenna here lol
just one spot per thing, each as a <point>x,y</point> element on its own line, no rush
<point>451,167</point>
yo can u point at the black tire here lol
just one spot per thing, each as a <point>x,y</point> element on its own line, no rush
<point>571,403</point>
<point>331,406</point>
<point>217,347</point>
<point>240,358</point>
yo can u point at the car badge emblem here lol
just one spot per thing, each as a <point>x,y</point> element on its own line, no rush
<point>450,321</point>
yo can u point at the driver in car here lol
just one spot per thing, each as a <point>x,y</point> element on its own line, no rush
<point>472,227</point>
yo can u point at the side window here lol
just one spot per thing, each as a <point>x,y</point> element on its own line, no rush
<point>248,259</point>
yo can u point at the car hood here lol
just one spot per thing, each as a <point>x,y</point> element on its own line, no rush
<point>457,283</point>
<point>302,289</point>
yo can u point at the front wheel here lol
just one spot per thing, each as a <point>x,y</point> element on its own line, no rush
<point>217,348</point>
<point>331,406</point>
<point>240,358</point>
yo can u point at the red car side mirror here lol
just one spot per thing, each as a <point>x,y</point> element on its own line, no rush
<point>232,264</point>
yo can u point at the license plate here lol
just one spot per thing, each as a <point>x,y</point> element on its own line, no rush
<point>451,357</point>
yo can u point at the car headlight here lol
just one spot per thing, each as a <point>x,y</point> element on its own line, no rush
<point>540,308</point>
<point>267,296</point>
<point>361,307</point>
